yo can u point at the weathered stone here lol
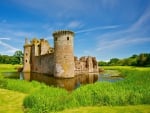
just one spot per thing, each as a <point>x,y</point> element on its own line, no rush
<point>58,61</point>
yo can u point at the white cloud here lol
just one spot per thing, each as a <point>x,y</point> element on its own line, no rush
<point>4,38</point>
<point>74,24</point>
<point>135,34</point>
<point>145,17</point>
<point>112,44</point>
<point>7,47</point>
<point>65,8</point>
<point>15,30</point>
<point>60,7</point>
<point>98,28</point>
<point>12,33</point>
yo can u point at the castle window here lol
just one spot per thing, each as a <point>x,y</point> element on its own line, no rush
<point>67,38</point>
<point>26,54</point>
<point>26,60</point>
<point>55,38</point>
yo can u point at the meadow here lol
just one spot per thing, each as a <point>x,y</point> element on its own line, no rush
<point>9,67</point>
<point>132,94</point>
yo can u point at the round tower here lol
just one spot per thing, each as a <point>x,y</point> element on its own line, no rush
<point>63,54</point>
<point>27,57</point>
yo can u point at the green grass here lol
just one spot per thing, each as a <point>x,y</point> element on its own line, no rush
<point>133,90</point>
<point>47,99</point>
<point>8,67</point>
<point>11,101</point>
<point>125,68</point>
<point>110,109</point>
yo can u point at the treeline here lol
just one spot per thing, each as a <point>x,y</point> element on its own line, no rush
<point>142,60</point>
<point>15,59</point>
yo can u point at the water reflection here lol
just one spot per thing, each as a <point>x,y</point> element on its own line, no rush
<point>69,84</point>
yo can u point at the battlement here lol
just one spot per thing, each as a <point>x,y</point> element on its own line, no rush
<point>63,32</point>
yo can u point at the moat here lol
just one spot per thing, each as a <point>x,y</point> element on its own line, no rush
<point>69,84</point>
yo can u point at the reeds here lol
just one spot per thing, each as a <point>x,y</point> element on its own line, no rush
<point>133,90</point>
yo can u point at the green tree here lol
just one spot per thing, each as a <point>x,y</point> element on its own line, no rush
<point>14,60</point>
<point>113,61</point>
<point>102,63</point>
<point>19,56</point>
<point>143,59</point>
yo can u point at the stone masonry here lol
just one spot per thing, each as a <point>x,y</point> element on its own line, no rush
<point>59,61</point>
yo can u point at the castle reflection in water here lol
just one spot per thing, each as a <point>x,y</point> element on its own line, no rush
<point>69,84</point>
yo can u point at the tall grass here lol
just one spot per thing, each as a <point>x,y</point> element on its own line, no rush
<point>133,90</point>
<point>20,85</point>
<point>46,99</point>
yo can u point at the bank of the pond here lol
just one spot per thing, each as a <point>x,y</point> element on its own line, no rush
<point>68,84</point>
<point>134,90</point>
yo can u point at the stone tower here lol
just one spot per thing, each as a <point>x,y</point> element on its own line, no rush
<point>63,55</point>
<point>27,56</point>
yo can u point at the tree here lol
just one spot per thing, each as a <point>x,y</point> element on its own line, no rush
<point>19,56</point>
<point>134,56</point>
<point>102,63</point>
<point>113,61</point>
<point>14,60</point>
<point>143,59</point>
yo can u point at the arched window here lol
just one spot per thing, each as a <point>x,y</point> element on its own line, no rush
<point>67,38</point>
<point>26,61</point>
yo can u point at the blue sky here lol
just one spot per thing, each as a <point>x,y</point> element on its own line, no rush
<point>104,28</point>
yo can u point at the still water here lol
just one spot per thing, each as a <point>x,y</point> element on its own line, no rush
<point>69,84</point>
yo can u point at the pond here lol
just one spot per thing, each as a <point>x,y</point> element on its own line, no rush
<point>69,84</point>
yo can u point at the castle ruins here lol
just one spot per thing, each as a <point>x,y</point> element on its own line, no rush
<point>59,61</point>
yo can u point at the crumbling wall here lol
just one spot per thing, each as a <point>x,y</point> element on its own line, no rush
<point>86,65</point>
<point>41,58</point>
<point>36,46</point>
<point>45,47</point>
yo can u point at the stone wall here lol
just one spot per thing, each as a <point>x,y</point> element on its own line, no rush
<point>27,58</point>
<point>63,54</point>
<point>45,47</point>
<point>43,64</point>
<point>86,65</point>
<point>41,58</point>
<point>59,61</point>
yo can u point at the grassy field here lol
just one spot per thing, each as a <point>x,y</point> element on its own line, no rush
<point>125,68</point>
<point>110,109</point>
<point>9,67</point>
<point>11,101</point>
<point>130,95</point>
